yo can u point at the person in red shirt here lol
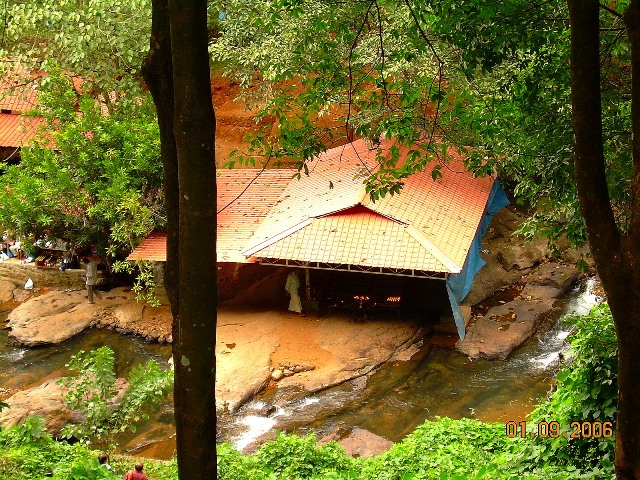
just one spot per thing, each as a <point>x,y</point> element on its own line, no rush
<point>136,474</point>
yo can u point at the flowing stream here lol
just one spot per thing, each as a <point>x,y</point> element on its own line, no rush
<point>392,402</point>
<point>435,382</point>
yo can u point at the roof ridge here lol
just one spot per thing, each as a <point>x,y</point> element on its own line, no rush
<point>372,210</point>
<point>433,250</point>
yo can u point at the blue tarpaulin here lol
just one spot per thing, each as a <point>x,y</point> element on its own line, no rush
<point>459,284</point>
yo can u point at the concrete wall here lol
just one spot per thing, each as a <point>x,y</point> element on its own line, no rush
<point>44,277</point>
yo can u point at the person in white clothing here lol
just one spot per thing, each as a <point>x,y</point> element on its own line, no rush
<point>292,286</point>
<point>15,248</point>
<point>91,276</point>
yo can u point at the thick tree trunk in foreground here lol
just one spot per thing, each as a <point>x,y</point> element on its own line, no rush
<point>616,256</point>
<point>177,73</point>
<point>194,344</point>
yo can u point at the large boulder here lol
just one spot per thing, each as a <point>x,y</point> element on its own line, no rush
<point>138,318</point>
<point>45,400</point>
<point>359,443</point>
<point>58,315</point>
<point>363,443</point>
<point>507,326</point>
<point>6,289</point>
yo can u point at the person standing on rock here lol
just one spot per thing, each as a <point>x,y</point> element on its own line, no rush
<point>136,474</point>
<point>90,277</point>
<point>292,286</point>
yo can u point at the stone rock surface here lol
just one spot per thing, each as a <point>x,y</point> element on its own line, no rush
<point>255,347</point>
<point>507,257</point>
<point>511,260</point>
<point>346,352</point>
<point>558,275</point>
<point>58,315</point>
<point>44,400</point>
<point>6,289</point>
<point>359,443</point>
<point>505,327</point>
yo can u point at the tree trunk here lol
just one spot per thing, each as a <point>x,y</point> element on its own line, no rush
<point>194,343</point>
<point>627,461</point>
<point>187,131</point>
<point>616,256</point>
<point>158,75</point>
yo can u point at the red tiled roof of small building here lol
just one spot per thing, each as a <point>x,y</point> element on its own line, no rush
<point>17,130</point>
<point>328,218</point>
<point>18,91</point>
<point>442,216</point>
<point>356,236</point>
<point>244,211</point>
<point>153,248</point>
<point>246,208</point>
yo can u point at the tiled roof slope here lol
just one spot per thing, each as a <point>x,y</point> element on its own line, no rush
<point>446,212</point>
<point>237,222</point>
<point>240,219</point>
<point>16,130</point>
<point>441,216</point>
<point>153,248</point>
<point>330,186</point>
<point>18,92</point>
<point>357,236</point>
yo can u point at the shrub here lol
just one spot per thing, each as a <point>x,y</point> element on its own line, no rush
<point>93,390</point>
<point>586,391</point>
<point>457,448</point>
<point>290,456</point>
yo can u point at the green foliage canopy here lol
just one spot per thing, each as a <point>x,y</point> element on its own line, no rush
<point>102,41</point>
<point>101,185</point>
<point>488,78</point>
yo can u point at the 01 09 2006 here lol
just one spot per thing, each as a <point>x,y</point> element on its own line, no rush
<point>553,429</point>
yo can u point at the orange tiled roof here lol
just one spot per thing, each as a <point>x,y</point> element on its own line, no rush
<point>237,222</point>
<point>153,248</point>
<point>18,90</point>
<point>328,218</point>
<point>441,216</point>
<point>16,130</point>
<point>357,236</point>
<point>330,187</point>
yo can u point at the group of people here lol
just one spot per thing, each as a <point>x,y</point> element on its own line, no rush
<point>135,474</point>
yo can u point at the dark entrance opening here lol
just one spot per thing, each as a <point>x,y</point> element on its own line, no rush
<point>374,295</point>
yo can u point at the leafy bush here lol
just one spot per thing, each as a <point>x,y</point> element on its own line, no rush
<point>89,470</point>
<point>290,456</point>
<point>93,391</point>
<point>587,391</point>
<point>102,184</point>
<point>459,448</point>
<point>31,431</point>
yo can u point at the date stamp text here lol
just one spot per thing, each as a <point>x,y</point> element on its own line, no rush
<point>553,429</point>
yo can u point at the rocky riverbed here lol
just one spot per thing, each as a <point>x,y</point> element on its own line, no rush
<point>260,346</point>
